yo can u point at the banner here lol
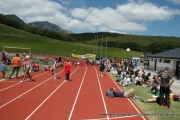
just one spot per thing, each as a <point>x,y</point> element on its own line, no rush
<point>86,56</point>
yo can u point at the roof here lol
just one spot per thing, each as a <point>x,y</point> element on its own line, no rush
<point>171,54</point>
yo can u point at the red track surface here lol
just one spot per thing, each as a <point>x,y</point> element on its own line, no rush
<point>82,98</point>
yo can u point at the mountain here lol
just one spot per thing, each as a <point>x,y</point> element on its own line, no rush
<point>48,26</point>
<point>12,16</point>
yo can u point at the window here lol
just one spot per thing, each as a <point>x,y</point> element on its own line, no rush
<point>151,59</point>
<point>167,61</point>
<point>160,60</point>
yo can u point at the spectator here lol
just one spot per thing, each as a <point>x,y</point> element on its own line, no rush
<point>54,68</point>
<point>67,70</point>
<point>164,86</point>
<point>3,70</point>
<point>4,58</point>
<point>8,61</point>
<point>138,80</point>
<point>157,99</point>
<point>126,81</point>
<point>46,67</point>
<point>27,68</point>
<point>35,67</point>
<point>113,93</point>
<point>101,67</point>
<point>16,63</point>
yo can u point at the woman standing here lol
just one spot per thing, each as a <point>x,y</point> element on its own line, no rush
<point>27,67</point>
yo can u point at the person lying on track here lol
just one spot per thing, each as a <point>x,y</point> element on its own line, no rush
<point>111,92</point>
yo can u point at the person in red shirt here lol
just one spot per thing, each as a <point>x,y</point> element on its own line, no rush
<point>67,70</point>
<point>36,67</point>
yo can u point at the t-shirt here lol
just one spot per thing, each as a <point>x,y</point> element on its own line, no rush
<point>36,66</point>
<point>16,61</point>
<point>119,94</point>
<point>3,67</point>
<point>165,77</point>
<point>102,63</point>
<point>67,68</point>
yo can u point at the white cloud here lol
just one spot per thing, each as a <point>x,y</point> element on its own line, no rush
<point>146,12</point>
<point>132,16</point>
<point>175,1</point>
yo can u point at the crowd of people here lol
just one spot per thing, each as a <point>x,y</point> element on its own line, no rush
<point>159,84</point>
<point>24,62</point>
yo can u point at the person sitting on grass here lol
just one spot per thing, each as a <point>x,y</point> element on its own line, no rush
<point>154,82</point>
<point>111,92</point>
<point>46,67</point>
<point>138,80</point>
<point>126,81</point>
<point>35,67</point>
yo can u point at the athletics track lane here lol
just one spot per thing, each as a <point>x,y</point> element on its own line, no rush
<point>11,82</point>
<point>59,105</point>
<point>89,103</point>
<point>22,106</point>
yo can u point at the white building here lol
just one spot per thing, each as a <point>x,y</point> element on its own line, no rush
<point>170,58</point>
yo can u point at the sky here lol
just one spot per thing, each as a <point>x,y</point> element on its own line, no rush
<point>137,17</point>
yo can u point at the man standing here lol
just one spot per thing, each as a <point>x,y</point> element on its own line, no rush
<point>67,70</point>
<point>164,86</point>
<point>101,67</point>
<point>16,63</point>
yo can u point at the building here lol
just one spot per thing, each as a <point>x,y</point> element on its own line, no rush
<point>170,58</point>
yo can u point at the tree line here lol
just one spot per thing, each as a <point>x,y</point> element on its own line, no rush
<point>151,44</point>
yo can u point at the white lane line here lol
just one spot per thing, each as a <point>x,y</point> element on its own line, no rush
<point>128,98</point>
<point>27,91</point>
<point>113,118</point>
<point>102,94</point>
<point>70,115</point>
<point>19,82</point>
<point>48,97</point>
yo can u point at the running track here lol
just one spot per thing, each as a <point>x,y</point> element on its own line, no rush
<point>83,98</point>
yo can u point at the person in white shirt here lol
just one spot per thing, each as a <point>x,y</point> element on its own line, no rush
<point>138,80</point>
<point>126,81</point>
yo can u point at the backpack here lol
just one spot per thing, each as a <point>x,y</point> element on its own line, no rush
<point>176,97</point>
<point>109,93</point>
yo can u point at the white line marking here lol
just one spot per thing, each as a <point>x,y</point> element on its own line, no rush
<point>113,118</point>
<point>19,83</point>
<point>48,97</point>
<point>102,94</point>
<point>77,94</point>
<point>127,98</point>
<point>28,91</point>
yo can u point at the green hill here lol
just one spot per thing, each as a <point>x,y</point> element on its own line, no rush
<point>16,18</point>
<point>42,45</point>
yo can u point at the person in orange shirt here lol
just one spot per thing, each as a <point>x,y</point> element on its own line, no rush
<point>16,63</point>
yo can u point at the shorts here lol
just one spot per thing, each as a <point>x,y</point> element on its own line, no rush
<point>101,69</point>
<point>128,93</point>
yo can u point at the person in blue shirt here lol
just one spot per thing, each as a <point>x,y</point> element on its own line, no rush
<point>3,69</point>
<point>101,67</point>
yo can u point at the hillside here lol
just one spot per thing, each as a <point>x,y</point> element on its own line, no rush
<point>42,45</point>
<point>12,16</point>
<point>45,25</point>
